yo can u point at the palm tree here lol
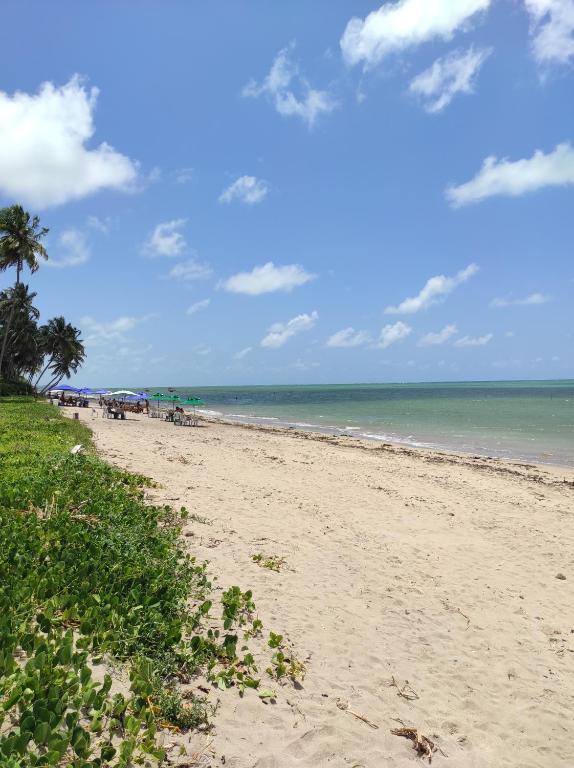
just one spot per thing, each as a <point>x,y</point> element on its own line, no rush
<point>61,341</point>
<point>53,336</point>
<point>20,298</point>
<point>20,246</point>
<point>16,306</point>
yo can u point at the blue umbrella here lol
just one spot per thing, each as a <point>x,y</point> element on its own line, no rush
<point>65,388</point>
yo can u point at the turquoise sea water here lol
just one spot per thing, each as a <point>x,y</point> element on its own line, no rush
<point>523,420</point>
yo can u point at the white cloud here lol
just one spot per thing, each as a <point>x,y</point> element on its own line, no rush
<point>73,246</point>
<point>201,349</point>
<point>348,337</point>
<point>552,27</point>
<point>473,341</point>
<point>534,299</point>
<point>190,270</point>
<point>198,306</point>
<point>153,176</point>
<point>279,333</point>
<point>278,87</point>
<point>242,353</point>
<point>101,225</point>
<point>434,290</point>
<point>245,189</point>
<point>434,339</point>
<point>455,73</point>
<point>390,334</point>
<point>183,175</point>
<point>505,177</point>
<point>267,279</point>
<point>44,160</point>
<point>100,333</point>
<point>166,239</point>
<point>397,26</point>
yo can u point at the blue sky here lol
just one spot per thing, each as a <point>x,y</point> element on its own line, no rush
<point>265,192</point>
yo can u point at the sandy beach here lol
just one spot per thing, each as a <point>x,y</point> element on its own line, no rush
<point>452,573</point>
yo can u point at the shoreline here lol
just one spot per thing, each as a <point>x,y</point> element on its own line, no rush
<point>398,564</point>
<point>345,432</point>
<point>430,454</point>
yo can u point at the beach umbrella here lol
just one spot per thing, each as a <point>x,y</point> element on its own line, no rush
<point>123,393</point>
<point>158,396</point>
<point>142,395</point>
<point>65,388</point>
<point>194,401</point>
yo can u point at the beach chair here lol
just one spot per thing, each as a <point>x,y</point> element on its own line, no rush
<point>190,420</point>
<point>179,419</point>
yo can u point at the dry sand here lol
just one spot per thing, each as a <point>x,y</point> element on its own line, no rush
<point>440,570</point>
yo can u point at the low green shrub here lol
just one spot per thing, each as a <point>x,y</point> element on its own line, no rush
<point>20,387</point>
<point>90,573</point>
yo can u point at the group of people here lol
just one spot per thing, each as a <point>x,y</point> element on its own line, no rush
<point>75,402</point>
<point>141,406</point>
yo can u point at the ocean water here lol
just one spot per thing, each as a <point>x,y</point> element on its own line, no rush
<point>530,421</point>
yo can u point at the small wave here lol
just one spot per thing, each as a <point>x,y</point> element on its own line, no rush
<point>251,416</point>
<point>374,437</point>
<point>262,418</point>
<point>207,412</point>
<point>410,440</point>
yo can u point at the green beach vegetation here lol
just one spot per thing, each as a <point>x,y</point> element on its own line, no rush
<point>92,580</point>
<point>29,351</point>
<point>271,562</point>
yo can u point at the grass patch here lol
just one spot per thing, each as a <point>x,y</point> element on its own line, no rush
<point>88,572</point>
<point>271,562</point>
<point>195,518</point>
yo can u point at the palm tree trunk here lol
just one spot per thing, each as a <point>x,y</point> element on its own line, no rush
<point>5,339</point>
<point>44,371</point>
<point>51,384</point>
<point>11,317</point>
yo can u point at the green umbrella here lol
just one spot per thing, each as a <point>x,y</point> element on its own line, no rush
<point>158,396</point>
<point>171,399</point>
<point>194,401</point>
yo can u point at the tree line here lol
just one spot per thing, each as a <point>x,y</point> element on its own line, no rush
<point>32,356</point>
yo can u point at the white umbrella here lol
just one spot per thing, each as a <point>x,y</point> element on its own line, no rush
<point>122,392</point>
